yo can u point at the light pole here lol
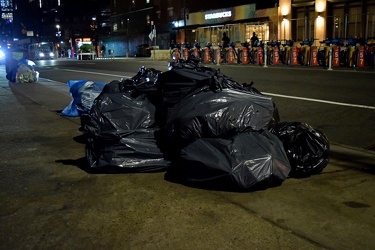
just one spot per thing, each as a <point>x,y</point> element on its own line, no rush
<point>58,34</point>
<point>127,38</point>
<point>185,40</point>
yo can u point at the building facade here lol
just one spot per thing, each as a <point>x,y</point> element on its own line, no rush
<point>205,22</point>
<point>122,26</point>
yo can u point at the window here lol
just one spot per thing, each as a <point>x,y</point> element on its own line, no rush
<point>158,14</point>
<point>170,13</point>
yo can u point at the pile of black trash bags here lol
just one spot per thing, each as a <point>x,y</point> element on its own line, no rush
<point>201,127</point>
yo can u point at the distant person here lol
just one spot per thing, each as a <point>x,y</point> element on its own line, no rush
<point>226,40</point>
<point>254,40</point>
<point>102,50</point>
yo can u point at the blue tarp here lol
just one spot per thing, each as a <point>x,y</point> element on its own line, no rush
<point>84,93</point>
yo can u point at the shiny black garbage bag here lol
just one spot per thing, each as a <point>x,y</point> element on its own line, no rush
<point>307,148</point>
<point>119,111</point>
<point>145,76</point>
<point>211,114</point>
<point>245,161</point>
<point>131,151</point>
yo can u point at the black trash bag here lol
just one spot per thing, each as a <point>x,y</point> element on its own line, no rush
<point>307,148</point>
<point>186,79</point>
<point>131,151</point>
<point>173,86</point>
<point>116,86</point>
<point>119,111</point>
<point>214,115</point>
<point>249,160</point>
<point>145,76</point>
<point>276,116</point>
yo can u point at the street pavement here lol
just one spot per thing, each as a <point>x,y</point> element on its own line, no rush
<point>49,199</point>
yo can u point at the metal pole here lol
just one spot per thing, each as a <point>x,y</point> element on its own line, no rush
<point>330,57</point>
<point>346,26</point>
<point>127,36</point>
<point>185,22</point>
<point>305,28</point>
<point>297,35</point>
<point>367,20</point>
<point>265,55</point>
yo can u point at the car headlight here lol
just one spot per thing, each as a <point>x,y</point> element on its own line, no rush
<point>51,54</point>
<point>2,54</point>
<point>41,54</point>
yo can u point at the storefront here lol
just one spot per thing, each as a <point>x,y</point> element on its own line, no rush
<point>237,22</point>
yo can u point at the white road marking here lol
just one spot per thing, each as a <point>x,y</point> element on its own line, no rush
<point>321,101</point>
<point>265,93</point>
<point>96,73</point>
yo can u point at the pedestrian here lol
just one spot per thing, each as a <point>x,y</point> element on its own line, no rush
<point>254,40</point>
<point>102,50</point>
<point>226,40</point>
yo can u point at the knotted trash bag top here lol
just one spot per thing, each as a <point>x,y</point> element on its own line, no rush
<point>307,148</point>
<point>216,115</point>
<point>242,162</point>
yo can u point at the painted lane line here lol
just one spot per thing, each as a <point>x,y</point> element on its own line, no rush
<point>95,73</point>
<point>265,93</point>
<point>321,101</point>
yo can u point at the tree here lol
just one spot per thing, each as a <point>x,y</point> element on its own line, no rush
<point>86,48</point>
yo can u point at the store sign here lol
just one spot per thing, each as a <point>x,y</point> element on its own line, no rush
<point>217,15</point>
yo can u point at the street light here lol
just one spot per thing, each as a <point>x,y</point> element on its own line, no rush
<point>58,34</point>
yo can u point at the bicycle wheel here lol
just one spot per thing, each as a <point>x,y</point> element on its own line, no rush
<point>321,58</point>
<point>270,58</point>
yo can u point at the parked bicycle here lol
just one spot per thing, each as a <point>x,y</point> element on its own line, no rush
<point>323,53</point>
<point>207,56</point>
<point>369,55</point>
<point>195,51</point>
<point>254,52</point>
<point>185,51</point>
<point>348,56</point>
<point>271,52</point>
<point>244,53</point>
<point>285,52</point>
<point>304,52</point>
<point>176,52</point>
<point>234,53</point>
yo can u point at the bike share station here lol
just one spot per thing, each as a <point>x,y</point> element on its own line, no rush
<point>272,47</point>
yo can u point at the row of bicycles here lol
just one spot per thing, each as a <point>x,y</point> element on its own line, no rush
<point>354,53</point>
